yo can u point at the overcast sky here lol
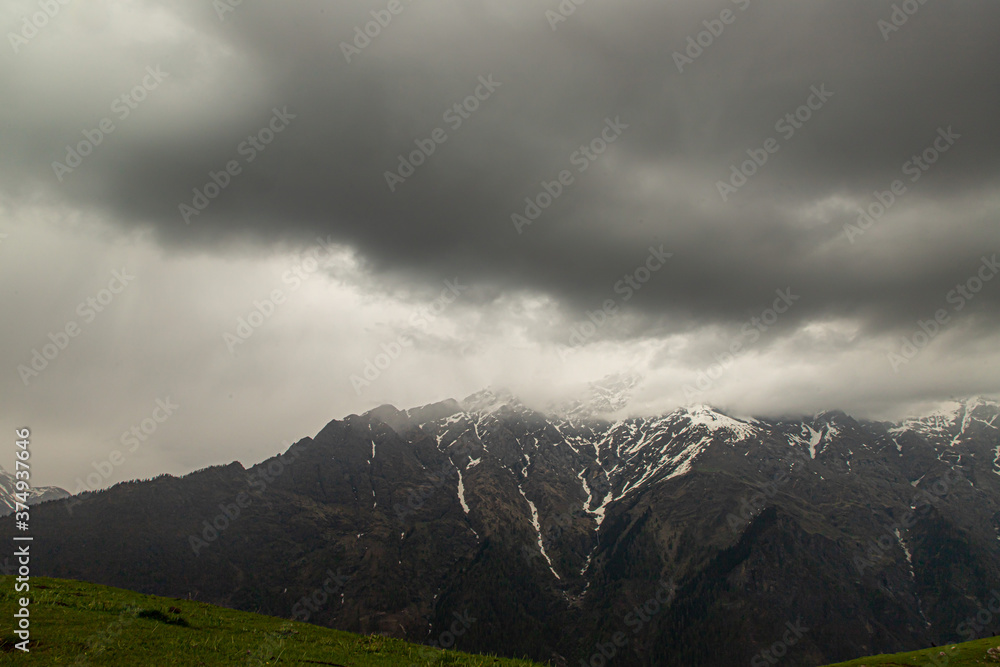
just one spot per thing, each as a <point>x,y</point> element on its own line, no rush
<point>698,168</point>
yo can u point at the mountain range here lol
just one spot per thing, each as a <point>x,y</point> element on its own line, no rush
<point>8,491</point>
<point>562,535</point>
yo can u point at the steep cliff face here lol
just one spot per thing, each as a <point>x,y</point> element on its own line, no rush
<point>693,538</point>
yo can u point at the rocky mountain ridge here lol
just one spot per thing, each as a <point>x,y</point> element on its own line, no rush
<point>554,530</point>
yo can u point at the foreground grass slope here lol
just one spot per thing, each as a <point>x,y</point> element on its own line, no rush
<point>79,624</point>
<point>951,655</point>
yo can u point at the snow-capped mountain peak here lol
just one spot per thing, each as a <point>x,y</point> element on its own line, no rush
<point>36,495</point>
<point>604,398</point>
<point>950,421</point>
<point>713,421</point>
<point>490,400</point>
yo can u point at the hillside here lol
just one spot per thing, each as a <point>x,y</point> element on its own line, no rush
<point>79,624</point>
<point>953,655</point>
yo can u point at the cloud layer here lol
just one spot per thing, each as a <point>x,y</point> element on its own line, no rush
<point>742,138</point>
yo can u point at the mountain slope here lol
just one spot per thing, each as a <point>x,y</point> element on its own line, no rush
<point>697,535</point>
<point>74,623</point>
<point>966,654</point>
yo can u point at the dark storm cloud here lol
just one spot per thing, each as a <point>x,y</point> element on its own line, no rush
<point>324,172</point>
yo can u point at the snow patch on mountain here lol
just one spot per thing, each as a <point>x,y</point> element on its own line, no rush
<point>677,465</point>
<point>713,421</point>
<point>461,492</point>
<point>949,422</point>
<point>809,437</point>
<point>684,461</point>
<point>600,511</point>
<point>8,491</point>
<point>538,530</point>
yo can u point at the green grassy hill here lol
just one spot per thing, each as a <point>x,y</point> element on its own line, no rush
<point>79,624</point>
<point>951,655</point>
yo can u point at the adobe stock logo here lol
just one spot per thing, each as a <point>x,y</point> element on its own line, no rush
<point>915,168</point>
<point>31,25</point>
<point>88,310</point>
<point>455,116</point>
<point>223,7</point>
<point>258,480</point>
<point>247,326</point>
<point>976,626</point>
<point>374,367</point>
<point>779,649</point>
<point>899,17</point>
<point>629,285</point>
<point>751,331</point>
<point>363,37</point>
<point>122,106</point>
<point>139,433</point>
<point>315,601</point>
<point>787,126</point>
<point>637,619</point>
<point>250,149</point>
<point>697,44</point>
<point>562,13</point>
<point>582,158</point>
<point>958,298</point>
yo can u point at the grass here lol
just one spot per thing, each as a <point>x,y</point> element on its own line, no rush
<point>955,655</point>
<point>79,624</point>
